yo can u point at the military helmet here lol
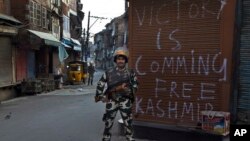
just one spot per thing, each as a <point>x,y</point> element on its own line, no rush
<point>121,51</point>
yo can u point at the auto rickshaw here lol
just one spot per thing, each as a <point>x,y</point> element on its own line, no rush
<point>77,72</point>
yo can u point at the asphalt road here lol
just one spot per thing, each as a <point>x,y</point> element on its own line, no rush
<point>68,114</point>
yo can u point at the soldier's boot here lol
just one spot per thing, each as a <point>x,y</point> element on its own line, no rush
<point>106,138</point>
<point>130,139</point>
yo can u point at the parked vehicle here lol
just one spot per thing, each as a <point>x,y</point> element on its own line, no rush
<point>77,72</point>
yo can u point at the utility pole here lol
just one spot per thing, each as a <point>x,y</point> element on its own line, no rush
<point>83,44</point>
<point>87,39</point>
<point>88,28</point>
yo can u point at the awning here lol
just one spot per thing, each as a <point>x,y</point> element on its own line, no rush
<point>10,19</point>
<point>62,54</point>
<point>49,39</point>
<point>77,44</point>
<point>77,48</point>
<point>65,45</point>
<point>75,41</point>
<point>67,41</point>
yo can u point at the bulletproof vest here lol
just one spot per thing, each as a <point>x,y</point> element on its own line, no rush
<point>114,77</point>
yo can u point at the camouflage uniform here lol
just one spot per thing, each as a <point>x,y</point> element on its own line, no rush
<point>120,101</point>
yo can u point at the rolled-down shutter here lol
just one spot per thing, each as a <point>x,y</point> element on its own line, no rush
<point>244,91</point>
<point>21,64</point>
<point>181,52</point>
<point>6,76</point>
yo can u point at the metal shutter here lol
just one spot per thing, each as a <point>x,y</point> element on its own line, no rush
<point>181,52</point>
<point>6,77</point>
<point>244,68</point>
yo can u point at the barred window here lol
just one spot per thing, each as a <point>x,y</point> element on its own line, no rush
<point>35,13</point>
<point>38,16</point>
<point>44,17</point>
<point>31,12</point>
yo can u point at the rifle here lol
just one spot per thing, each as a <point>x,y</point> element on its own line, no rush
<point>119,87</point>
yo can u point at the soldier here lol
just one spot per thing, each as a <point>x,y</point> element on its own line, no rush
<point>121,86</point>
<point>91,71</point>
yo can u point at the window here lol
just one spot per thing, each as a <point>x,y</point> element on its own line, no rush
<point>44,17</point>
<point>39,15</point>
<point>35,13</point>
<point>65,23</point>
<point>31,12</point>
<point>66,27</point>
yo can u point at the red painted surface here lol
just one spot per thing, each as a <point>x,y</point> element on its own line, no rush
<point>21,64</point>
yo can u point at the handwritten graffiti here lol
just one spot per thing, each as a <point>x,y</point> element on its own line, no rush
<point>173,65</point>
<point>177,99</point>
<point>195,9</point>
<point>155,108</point>
<point>185,88</point>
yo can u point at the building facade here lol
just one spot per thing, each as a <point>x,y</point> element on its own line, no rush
<point>8,31</point>
<point>37,33</point>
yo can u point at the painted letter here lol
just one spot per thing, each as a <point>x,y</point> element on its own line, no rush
<point>140,20</point>
<point>181,63</point>
<point>169,63</point>
<point>160,109</point>
<point>187,110</point>
<point>191,9</point>
<point>155,66</point>
<point>178,46</point>
<point>137,106</point>
<point>157,15</point>
<point>186,89</point>
<point>150,107</point>
<point>174,109</point>
<point>136,66</point>
<point>158,43</point>
<point>203,91</point>
<point>205,67</point>
<point>172,90</point>
<point>223,67</point>
<point>223,3</point>
<point>157,86</point>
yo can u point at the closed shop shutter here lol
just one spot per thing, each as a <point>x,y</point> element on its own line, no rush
<point>31,64</point>
<point>181,52</point>
<point>21,64</point>
<point>56,61</point>
<point>6,76</point>
<point>244,91</point>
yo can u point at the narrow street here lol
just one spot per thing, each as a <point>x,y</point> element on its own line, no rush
<point>68,114</point>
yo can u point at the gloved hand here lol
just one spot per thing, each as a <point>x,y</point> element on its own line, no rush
<point>97,98</point>
<point>101,98</point>
<point>122,87</point>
